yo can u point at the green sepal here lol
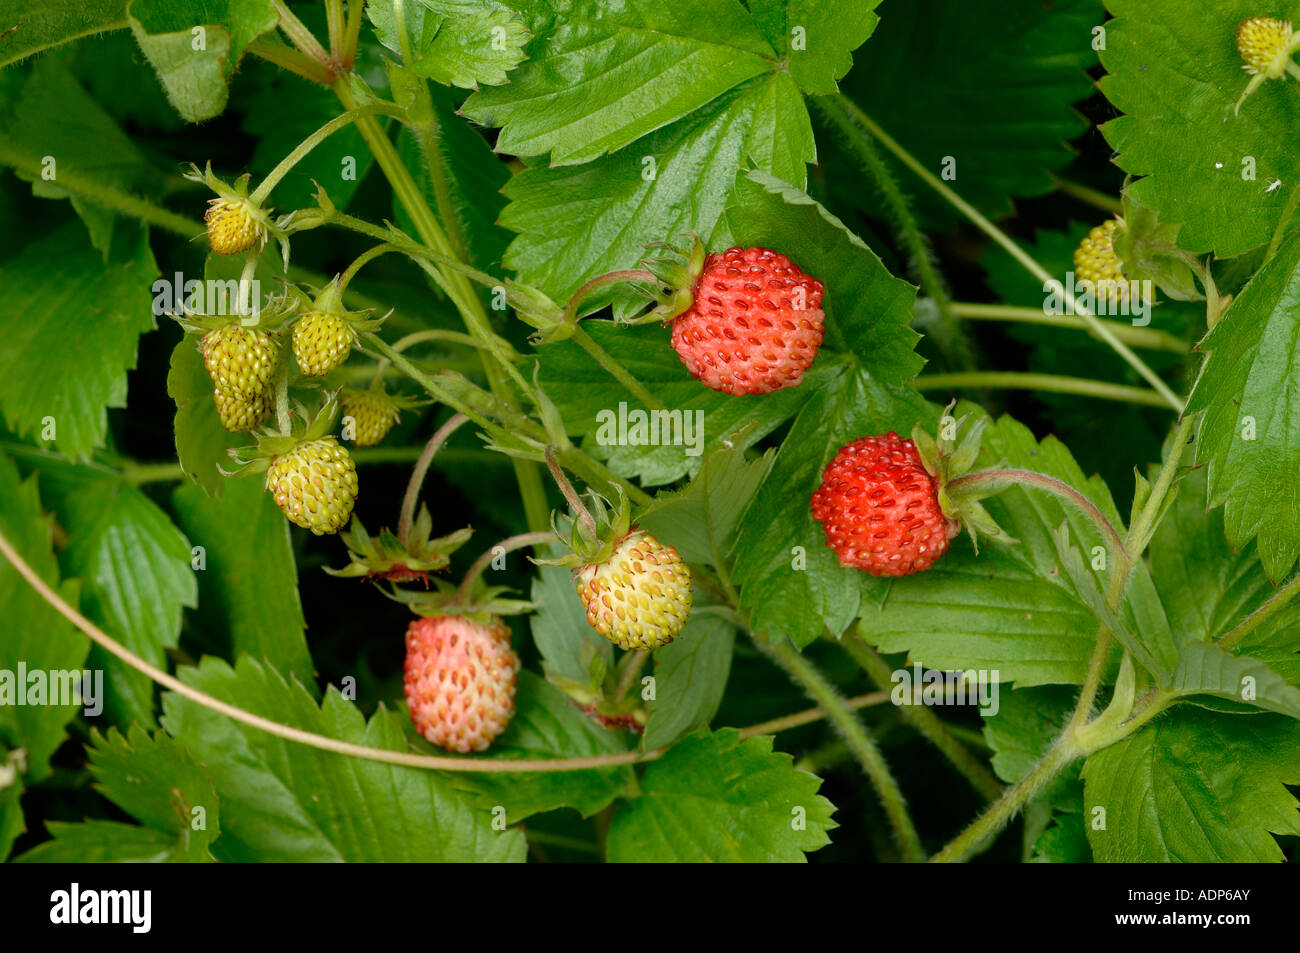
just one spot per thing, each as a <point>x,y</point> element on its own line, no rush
<point>1148,251</point>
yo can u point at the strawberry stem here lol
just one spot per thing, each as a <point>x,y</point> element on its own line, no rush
<point>311,142</point>
<point>854,114</point>
<point>571,495</point>
<point>632,666</point>
<point>1138,337</point>
<point>600,281</point>
<point>1055,383</point>
<point>508,545</point>
<point>617,370</point>
<point>419,472</point>
<point>299,35</point>
<point>1008,478</point>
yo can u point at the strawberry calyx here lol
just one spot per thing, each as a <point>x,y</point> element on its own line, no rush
<point>594,542</point>
<point>274,441</point>
<point>679,273</point>
<point>384,558</point>
<point>234,196</point>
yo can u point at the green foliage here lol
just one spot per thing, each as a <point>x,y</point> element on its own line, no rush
<point>283,801</point>
<point>1250,433</point>
<point>1196,786</point>
<point>1173,70</point>
<point>761,809</point>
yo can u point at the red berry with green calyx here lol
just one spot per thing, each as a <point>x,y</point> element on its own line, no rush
<point>745,321</point>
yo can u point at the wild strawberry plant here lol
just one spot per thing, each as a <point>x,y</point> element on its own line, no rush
<point>501,420</point>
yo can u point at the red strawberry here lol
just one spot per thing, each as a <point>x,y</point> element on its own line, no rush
<point>460,680</point>
<point>880,508</point>
<point>754,324</point>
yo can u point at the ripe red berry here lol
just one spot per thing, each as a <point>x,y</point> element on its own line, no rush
<point>754,324</point>
<point>460,680</point>
<point>880,508</point>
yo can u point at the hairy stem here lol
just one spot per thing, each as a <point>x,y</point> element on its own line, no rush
<point>854,114</point>
<point>1138,337</point>
<point>950,339</point>
<point>1053,383</point>
<point>925,721</point>
<point>855,736</point>
<point>570,494</point>
<point>508,545</point>
<point>311,142</point>
<point>1089,196</point>
<point>419,472</point>
<point>1001,479</point>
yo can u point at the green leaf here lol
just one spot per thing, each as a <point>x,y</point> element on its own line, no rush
<point>284,801</point>
<point>1195,786</point>
<point>1250,432</point>
<point>989,88</point>
<point>195,67</point>
<point>53,22</point>
<point>1205,669</point>
<point>1206,585</point>
<point>655,447</point>
<point>248,586</point>
<point>1011,608</point>
<point>567,642</point>
<point>579,222</point>
<point>1065,841</point>
<point>1173,70</point>
<point>715,798</point>
<point>816,38</point>
<point>547,725</point>
<point>88,312</point>
<point>134,567</point>
<point>86,146</point>
<point>700,519</point>
<point>785,572</point>
<point>690,678</point>
<point>34,634</point>
<point>155,781</point>
<point>608,75</point>
<point>455,42</point>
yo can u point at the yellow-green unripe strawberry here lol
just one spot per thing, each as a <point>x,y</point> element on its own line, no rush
<point>640,597</point>
<point>239,412</point>
<point>1263,44</point>
<point>373,414</point>
<point>241,361</point>
<point>315,485</point>
<point>1095,261</point>
<point>321,342</point>
<point>232,227</point>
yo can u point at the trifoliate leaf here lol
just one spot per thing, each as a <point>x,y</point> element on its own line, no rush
<point>716,798</point>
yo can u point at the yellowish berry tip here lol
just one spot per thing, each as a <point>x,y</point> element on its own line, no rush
<point>1265,45</point>
<point>232,227</point>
